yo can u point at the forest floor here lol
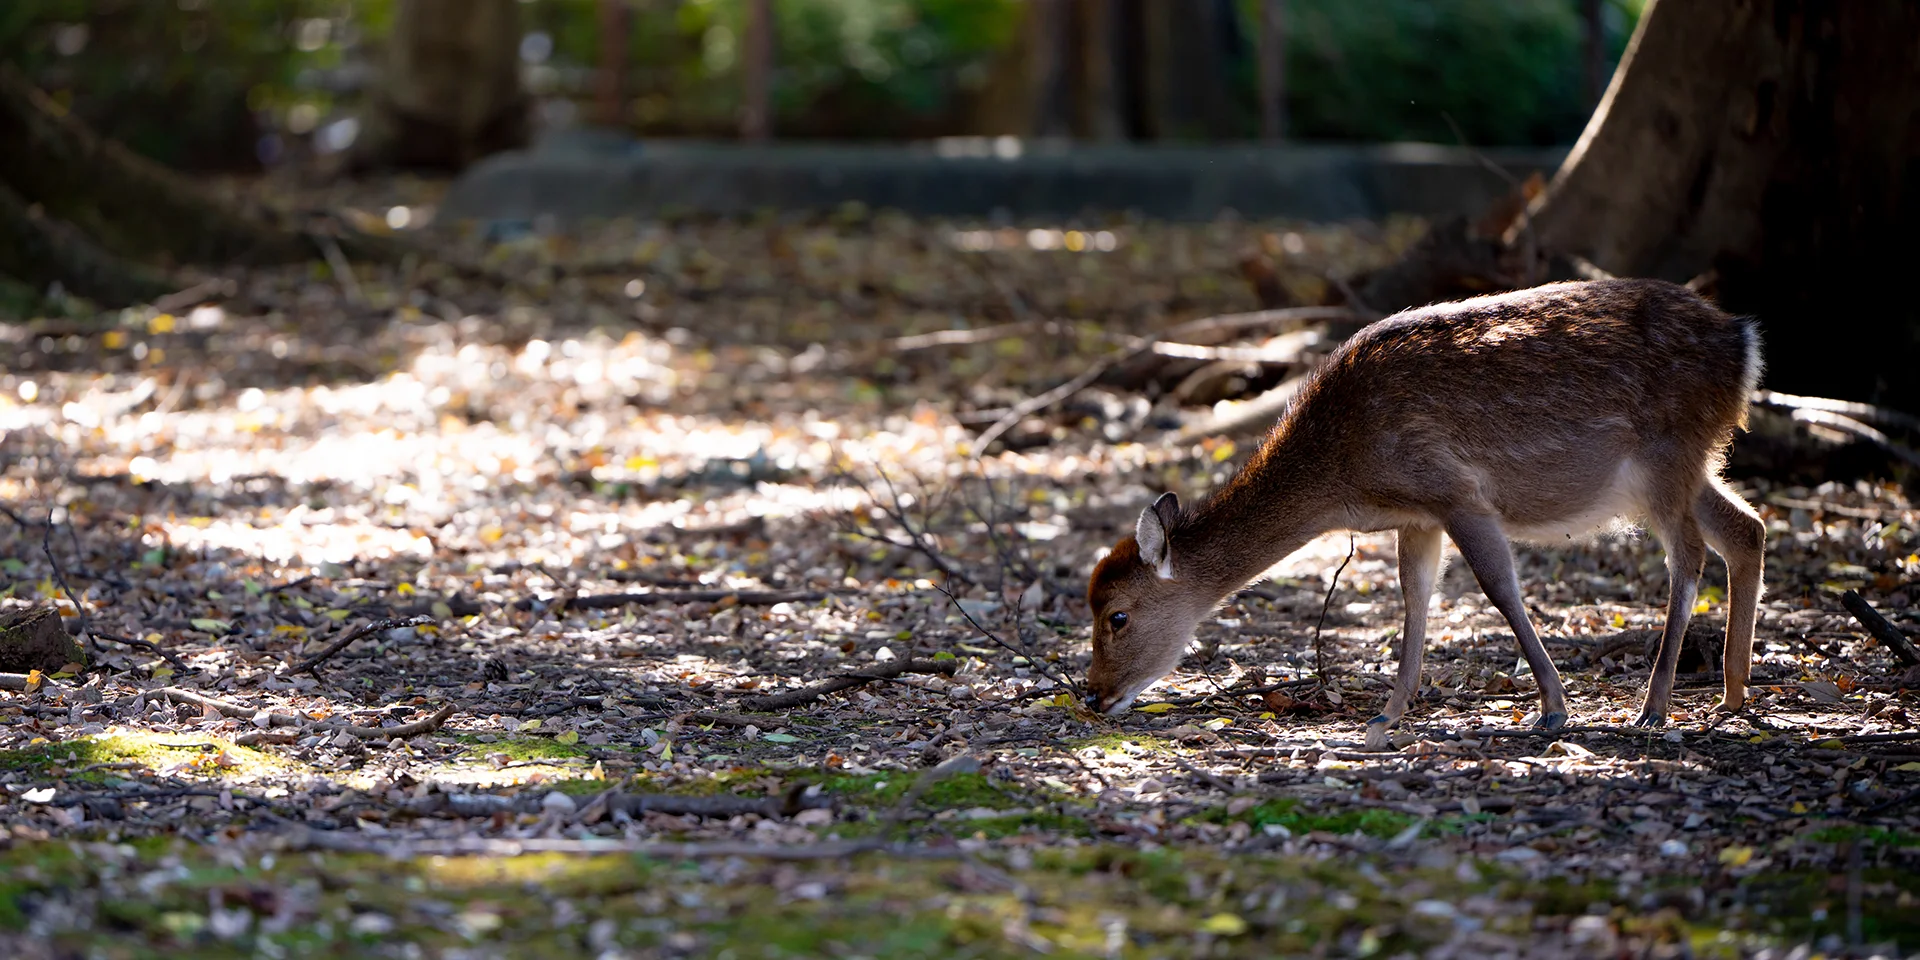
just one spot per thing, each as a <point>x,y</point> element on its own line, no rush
<point>717,422</point>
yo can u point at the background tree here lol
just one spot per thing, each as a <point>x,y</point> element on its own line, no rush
<point>448,89</point>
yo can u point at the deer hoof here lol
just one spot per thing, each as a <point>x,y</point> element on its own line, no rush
<point>1651,718</point>
<point>1730,706</point>
<point>1551,721</point>
<point>1377,732</point>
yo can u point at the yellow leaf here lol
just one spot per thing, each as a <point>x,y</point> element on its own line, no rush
<point>1155,708</point>
<point>1834,744</point>
<point>1736,856</point>
<point>34,681</point>
<point>405,589</point>
<point>1798,807</point>
<point>1619,620</point>
<point>1909,767</point>
<point>533,724</point>
<point>161,323</point>
<point>570,737</point>
<point>1223,925</point>
<point>492,533</point>
<point>1217,723</point>
<point>114,339</point>
<point>1220,454</point>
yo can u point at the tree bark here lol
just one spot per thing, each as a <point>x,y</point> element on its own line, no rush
<point>45,251</point>
<point>610,75</point>
<point>1777,143</point>
<point>756,52</point>
<point>449,88</point>
<point>127,204</point>
<point>1273,69</point>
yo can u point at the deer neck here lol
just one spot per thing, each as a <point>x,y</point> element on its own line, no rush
<point>1277,503</point>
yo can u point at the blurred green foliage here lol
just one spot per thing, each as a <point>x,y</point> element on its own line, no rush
<point>1504,71</point>
<point>183,81</point>
<point>844,67</point>
<point>198,83</point>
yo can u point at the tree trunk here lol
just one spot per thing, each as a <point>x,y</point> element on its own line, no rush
<point>610,75</point>
<point>756,52</point>
<point>85,212</point>
<point>44,251</point>
<point>449,88</point>
<point>1273,69</point>
<point>1777,143</point>
<point>1097,105</point>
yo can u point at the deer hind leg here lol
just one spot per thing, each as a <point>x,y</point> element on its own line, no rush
<point>1484,546</point>
<point>1419,569</point>
<point>1738,535</point>
<point>1686,557</point>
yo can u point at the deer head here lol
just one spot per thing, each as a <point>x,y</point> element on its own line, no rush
<point>1143,612</point>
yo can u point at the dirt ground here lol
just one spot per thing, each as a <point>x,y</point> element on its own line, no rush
<point>715,420</point>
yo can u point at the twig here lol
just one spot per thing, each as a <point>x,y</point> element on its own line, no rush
<point>606,601</point>
<point>290,584</point>
<point>948,338</point>
<point>1319,653</point>
<point>1032,405</point>
<point>196,294</point>
<point>1062,679</point>
<point>1899,801</point>
<point>847,681</point>
<point>1532,251</point>
<point>1882,630</point>
<point>150,647</point>
<point>335,647</point>
<point>342,270</point>
<point>60,575</point>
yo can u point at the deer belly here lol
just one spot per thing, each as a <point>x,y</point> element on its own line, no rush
<point>1560,508</point>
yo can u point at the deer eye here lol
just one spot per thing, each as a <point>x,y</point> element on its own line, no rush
<point>1117,619</point>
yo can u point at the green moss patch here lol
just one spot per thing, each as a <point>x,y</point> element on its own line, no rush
<point>1297,818</point>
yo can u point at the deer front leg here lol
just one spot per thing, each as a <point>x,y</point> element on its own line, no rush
<point>1419,569</point>
<point>1484,546</point>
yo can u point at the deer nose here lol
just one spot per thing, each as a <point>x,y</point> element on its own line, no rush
<point>1093,702</point>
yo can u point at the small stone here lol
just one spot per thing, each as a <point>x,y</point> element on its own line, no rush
<point>557,802</point>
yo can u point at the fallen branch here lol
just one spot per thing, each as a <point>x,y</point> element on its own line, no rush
<point>1176,334</point>
<point>1858,411</point>
<point>150,647</point>
<point>1855,428</point>
<point>240,711</point>
<point>335,647</point>
<point>1261,410</point>
<point>606,601</point>
<point>19,682</point>
<point>1882,630</point>
<point>426,725</point>
<point>847,681</point>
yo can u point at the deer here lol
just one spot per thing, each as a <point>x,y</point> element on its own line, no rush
<point>1543,414</point>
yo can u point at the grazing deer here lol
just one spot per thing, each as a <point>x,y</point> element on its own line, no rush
<point>1541,414</point>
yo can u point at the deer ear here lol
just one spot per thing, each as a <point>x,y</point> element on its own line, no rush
<point>1153,534</point>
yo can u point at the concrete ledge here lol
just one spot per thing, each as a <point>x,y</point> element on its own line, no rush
<point>587,174</point>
